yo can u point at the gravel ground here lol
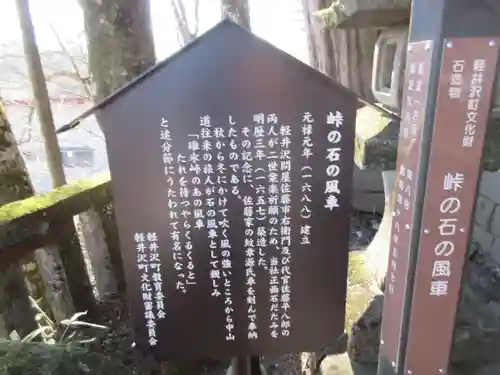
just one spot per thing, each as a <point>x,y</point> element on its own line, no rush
<point>117,342</point>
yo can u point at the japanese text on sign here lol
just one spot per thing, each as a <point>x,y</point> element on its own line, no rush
<point>403,197</point>
<point>417,77</point>
<point>333,156</point>
<point>246,185</point>
<point>473,98</point>
<point>217,164</point>
<point>449,209</point>
<point>411,115</point>
<point>454,166</point>
<point>149,265</point>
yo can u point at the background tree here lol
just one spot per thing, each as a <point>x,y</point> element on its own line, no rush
<point>41,94</point>
<point>120,42</point>
<point>120,47</point>
<point>15,312</point>
<point>237,10</point>
<point>59,292</point>
<point>344,55</point>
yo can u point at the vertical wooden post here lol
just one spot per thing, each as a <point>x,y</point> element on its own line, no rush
<point>446,101</point>
<point>17,313</point>
<point>78,283</point>
<point>411,157</point>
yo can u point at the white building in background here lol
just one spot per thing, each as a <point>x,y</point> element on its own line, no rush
<point>84,150</point>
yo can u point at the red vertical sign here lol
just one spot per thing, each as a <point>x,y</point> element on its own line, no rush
<point>413,112</point>
<point>462,108</point>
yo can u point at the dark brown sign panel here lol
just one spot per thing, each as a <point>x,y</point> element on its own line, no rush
<point>232,167</point>
<point>463,104</point>
<point>414,102</point>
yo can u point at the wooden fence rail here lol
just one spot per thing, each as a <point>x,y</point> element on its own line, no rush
<point>43,220</point>
<point>47,220</point>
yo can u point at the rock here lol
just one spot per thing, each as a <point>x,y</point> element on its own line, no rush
<point>460,370</point>
<point>377,252</point>
<point>489,370</point>
<point>362,229</point>
<point>377,139</point>
<point>368,190</point>
<point>364,341</point>
<point>376,142</point>
<point>473,347</point>
<point>342,365</point>
<point>311,360</point>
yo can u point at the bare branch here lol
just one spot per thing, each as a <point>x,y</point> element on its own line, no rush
<point>196,17</point>
<point>62,73</point>
<point>182,10</point>
<point>182,20</point>
<point>72,92</point>
<point>77,72</point>
<point>90,131</point>
<point>180,40</point>
<point>26,135</point>
<point>181,29</point>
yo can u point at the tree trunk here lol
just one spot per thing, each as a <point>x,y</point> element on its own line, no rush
<point>59,288</point>
<point>120,42</point>
<point>99,258</point>
<point>41,95</point>
<point>237,10</point>
<point>311,42</point>
<point>120,47</point>
<point>344,55</point>
<point>15,307</point>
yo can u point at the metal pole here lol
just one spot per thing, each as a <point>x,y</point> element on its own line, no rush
<point>425,39</point>
<point>412,163</point>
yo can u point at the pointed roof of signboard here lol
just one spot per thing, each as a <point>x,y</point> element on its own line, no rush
<point>225,26</point>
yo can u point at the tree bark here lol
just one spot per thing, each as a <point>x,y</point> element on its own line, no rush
<point>15,307</point>
<point>237,10</point>
<point>344,55</point>
<point>120,42</point>
<point>311,42</point>
<point>59,285</point>
<point>41,95</point>
<point>120,47</point>
<point>99,259</point>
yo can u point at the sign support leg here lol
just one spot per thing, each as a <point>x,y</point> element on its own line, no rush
<point>246,365</point>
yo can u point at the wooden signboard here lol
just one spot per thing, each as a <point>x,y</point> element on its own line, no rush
<point>231,169</point>
<point>410,137</point>
<point>462,109</point>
